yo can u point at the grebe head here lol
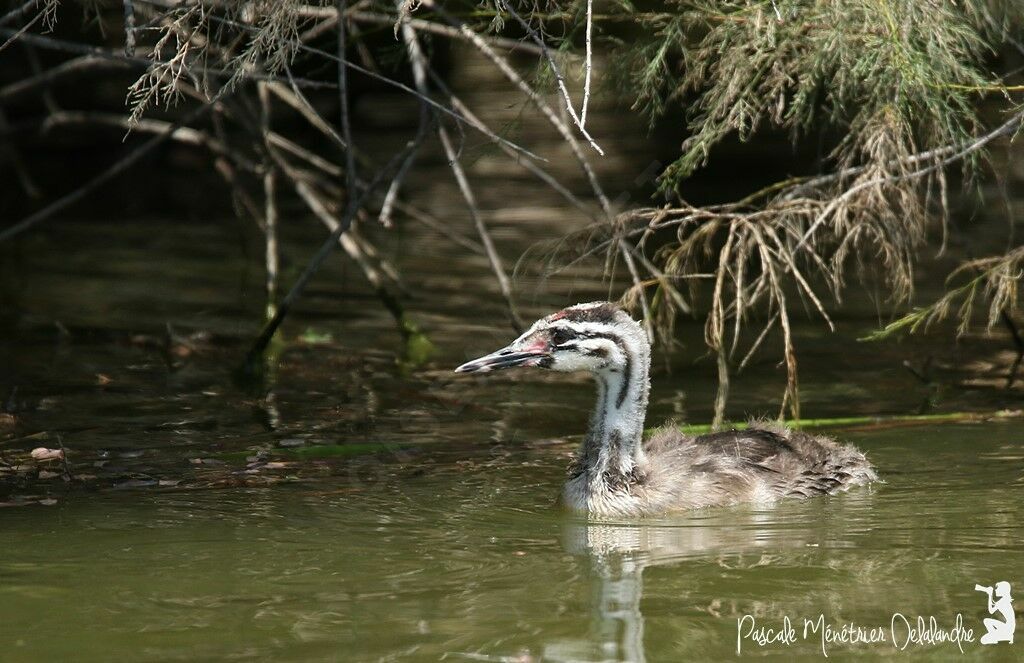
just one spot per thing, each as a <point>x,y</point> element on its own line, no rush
<point>597,337</point>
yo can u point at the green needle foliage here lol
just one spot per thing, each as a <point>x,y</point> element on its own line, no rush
<point>898,73</point>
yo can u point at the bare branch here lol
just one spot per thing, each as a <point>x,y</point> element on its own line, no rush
<point>558,75</point>
<point>418,63</point>
<point>107,175</point>
<point>588,64</point>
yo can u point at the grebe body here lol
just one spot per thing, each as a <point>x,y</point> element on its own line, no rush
<point>618,473</point>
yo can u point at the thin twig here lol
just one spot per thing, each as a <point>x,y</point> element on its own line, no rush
<point>1018,341</point>
<point>346,126</point>
<point>558,76</point>
<point>588,64</point>
<point>297,100</point>
<point>418,60</point>
<point>76,65</point>
<point>107,175</point>
<point>64,458</point>
<point>284,307</point>
<point>18,12</point>
<point>182,134</point>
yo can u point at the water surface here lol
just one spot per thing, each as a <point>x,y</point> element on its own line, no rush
<point>460,555</point>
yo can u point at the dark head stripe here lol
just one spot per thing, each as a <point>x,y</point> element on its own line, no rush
<point>628,371</point>
<point>604,312</point>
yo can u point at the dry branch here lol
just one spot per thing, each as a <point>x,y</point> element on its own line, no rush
<point>580,123</point>
<point>418,62</point>
<point>107,175</point>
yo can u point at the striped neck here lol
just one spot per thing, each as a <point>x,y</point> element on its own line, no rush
<point>612,452</point>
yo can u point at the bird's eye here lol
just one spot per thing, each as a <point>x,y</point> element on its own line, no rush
<point>560,336</point>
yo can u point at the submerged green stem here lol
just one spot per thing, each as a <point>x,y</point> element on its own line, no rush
<point>843,422</point>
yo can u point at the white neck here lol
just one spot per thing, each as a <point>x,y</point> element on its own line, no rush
<point>612,450</point>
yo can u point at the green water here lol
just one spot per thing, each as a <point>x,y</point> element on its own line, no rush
<point>459,555</point>
<point>356,510</point>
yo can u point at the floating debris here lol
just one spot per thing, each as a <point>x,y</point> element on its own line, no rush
<point>44,454</point>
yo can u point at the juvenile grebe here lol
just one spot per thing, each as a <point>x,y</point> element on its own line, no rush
<point>618,473</point>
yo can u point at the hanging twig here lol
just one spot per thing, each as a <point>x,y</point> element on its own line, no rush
<point>588,65</point>
<point>271,258</point>
<point>421,132</point>
<point>558,75</point>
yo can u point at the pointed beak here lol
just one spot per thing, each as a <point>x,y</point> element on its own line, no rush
<point>508,357</point>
